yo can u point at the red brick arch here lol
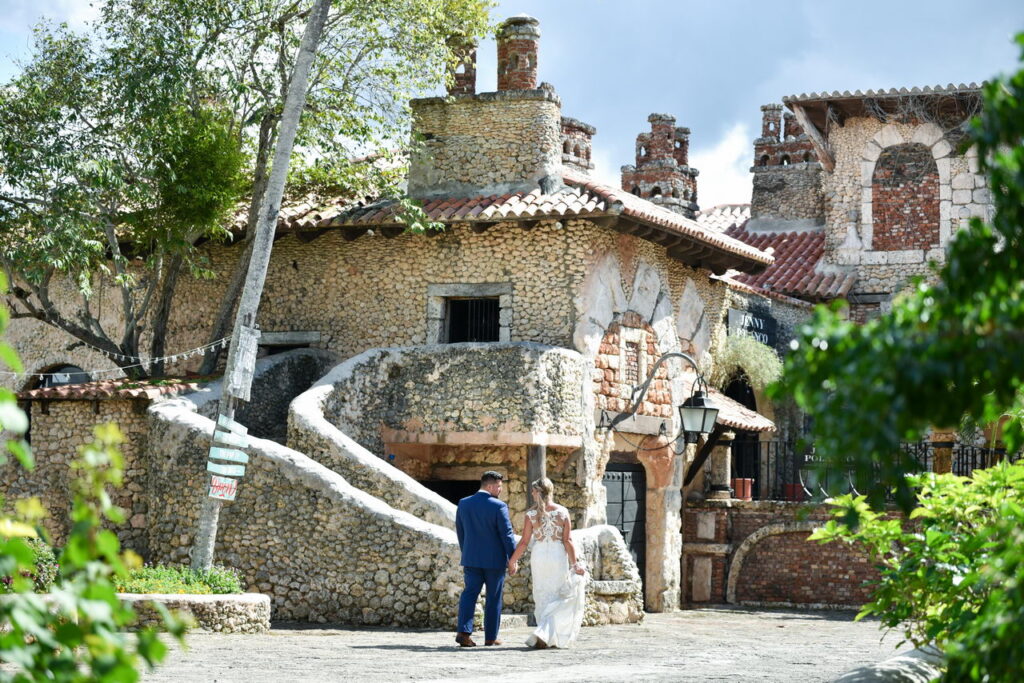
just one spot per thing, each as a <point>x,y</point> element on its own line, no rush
<point>905,199</point>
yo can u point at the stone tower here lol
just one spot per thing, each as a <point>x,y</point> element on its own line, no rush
<point>518,39</point>
<point>787,176</point>
<point>662,172</point>
<point>496,142</point>
<point>464,76</point>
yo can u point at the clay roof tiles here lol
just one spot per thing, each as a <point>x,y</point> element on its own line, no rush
<point>795,272</point>
<point>114,388</point>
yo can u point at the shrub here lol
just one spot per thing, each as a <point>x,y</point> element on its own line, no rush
<point>164,579</point>
<point>44,571</point>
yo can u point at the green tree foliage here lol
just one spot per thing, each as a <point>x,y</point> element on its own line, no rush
<point>76,632</point>
<point>107,172</point>
<point>945,350</point>
<point>956,575</point>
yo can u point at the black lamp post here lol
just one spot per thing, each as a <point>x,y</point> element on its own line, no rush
<point>697,414</point>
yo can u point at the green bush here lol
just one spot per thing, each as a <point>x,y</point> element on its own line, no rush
<point>44,571</point>
<point>163,579</point>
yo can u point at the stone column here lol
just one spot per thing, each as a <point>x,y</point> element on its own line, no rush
<point>942,443</point>
<point>536,467</point>
<point>721,467</point>
<point>664,470</point>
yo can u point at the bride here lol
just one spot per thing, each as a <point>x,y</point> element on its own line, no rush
<point>558,574</point>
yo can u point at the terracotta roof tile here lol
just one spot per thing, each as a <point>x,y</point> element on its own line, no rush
<point>732,413</point>
<point>796,271</point>
<point>116,388</point>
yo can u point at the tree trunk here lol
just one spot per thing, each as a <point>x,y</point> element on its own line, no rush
<point>295,100</point>
<point>219,329</point>
<point>162,314</point>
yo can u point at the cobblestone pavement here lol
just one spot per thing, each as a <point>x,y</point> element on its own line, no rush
<point>716,644</point>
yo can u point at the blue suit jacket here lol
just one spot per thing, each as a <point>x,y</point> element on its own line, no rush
<point>485,531</point>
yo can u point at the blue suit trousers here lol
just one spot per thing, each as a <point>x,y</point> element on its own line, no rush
<point>475,578</point>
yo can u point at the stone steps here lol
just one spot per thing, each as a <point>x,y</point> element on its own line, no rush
<point>516,620</point>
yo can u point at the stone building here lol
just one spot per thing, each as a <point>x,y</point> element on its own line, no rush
<point>506,340</point>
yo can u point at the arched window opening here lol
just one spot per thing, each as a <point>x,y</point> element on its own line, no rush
<point>807,157</point>
<point>655,191</point>
<point>514,62</point>
<point>565,147</point>
<point>785,160</point>
<point>460,69</point>
<point>58,375</point>
<point>679,144</point>
<point>643,151</point>
<point>763,161</point>
<point>675,193</point>
<point>636,190</point>
<point>587,152</point>
<point>905,199</point>
<point>576,151</point>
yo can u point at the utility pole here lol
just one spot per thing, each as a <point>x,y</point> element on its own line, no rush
<point>242,354</point>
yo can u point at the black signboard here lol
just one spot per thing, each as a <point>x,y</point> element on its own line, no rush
<point>760,327</point>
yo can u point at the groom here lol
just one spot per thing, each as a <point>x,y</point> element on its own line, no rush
<point>485,537</point>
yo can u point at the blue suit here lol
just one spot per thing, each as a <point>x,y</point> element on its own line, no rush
<point>486,540</point>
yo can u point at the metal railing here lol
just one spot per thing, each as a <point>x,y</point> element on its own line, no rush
<point>782,470</point>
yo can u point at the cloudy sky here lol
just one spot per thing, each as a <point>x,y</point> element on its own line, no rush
<point>710,64</point>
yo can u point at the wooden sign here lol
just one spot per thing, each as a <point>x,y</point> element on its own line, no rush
<point>223,488</point>
<point>229,439</point>
<point>226,470</point>
<point>228,454</point>
<point>227,423</point>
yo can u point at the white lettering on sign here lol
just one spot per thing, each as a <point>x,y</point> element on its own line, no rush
<point>228,454</point>
<point>223,488</point>
<point>758,327</point>
<point>226,470</point>
<point>229,439</point>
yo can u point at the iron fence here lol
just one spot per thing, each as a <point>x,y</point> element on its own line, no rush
<point>785,470</point>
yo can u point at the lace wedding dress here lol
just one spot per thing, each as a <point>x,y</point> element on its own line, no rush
<point>558,591</point>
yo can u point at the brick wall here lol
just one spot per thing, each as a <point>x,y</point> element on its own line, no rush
<point>777,564</point>
<point>905,199</point>
<point>627,352</point>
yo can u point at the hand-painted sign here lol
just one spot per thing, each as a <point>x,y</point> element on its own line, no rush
<point>226,470</point>
<point>223,488</point>
<point>760,327</point>
<point>232,426</point>
<point>229,439</point>
<point>227,433</point>
<point>228,454</point>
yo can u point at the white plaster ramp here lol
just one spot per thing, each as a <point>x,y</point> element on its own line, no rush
<point>310,431</point>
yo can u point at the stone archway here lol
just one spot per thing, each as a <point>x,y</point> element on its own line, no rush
<point>736,566</point>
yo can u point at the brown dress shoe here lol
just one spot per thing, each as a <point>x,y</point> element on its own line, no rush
<point>464,640</point>
<point>492,642</point>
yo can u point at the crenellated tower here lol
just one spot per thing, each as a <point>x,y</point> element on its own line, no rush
<point>787,176</point>
<point>662,173</point>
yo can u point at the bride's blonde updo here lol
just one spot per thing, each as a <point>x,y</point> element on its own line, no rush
<point>546,490</point>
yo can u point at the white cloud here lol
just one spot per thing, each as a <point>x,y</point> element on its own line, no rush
<point>725,168</point>
<point>605,169</point>
<point>18,15</point>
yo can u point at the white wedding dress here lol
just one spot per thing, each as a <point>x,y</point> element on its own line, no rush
<point>559,593</point>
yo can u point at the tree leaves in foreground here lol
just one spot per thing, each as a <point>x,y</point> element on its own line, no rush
<point>945,350</point>
<point>76,632</point>
<point>954,574</point>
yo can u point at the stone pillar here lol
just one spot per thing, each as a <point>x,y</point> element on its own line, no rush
<point>943,441</point>
<point>464,76</point>
<point>664,470</point>
<point>721,467</point>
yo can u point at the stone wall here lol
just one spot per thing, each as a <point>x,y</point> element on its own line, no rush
<point>57,430</point>
<point>490,143</point>
<point>786,197</point>
<point>757,553</point>
<point>245,613</point>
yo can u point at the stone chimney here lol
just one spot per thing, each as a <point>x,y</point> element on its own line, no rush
<point>479,144</point>
<point>518,38</point>
<point>662,174</point>
<point>464,75</point>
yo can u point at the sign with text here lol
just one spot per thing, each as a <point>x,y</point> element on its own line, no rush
<point>229,439</point>
<point>223,488</point>
<point>228,454</point>
<point>763,328</point>
<point>226,470</point>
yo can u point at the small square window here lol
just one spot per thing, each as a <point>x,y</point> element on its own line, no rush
<point>472,320</point>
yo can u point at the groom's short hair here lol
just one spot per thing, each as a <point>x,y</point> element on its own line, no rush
<point>489,477</point>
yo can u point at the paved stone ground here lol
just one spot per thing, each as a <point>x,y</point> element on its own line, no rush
<point>716,644</point>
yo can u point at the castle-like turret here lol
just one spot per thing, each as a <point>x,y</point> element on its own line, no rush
<point>662,172</point>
